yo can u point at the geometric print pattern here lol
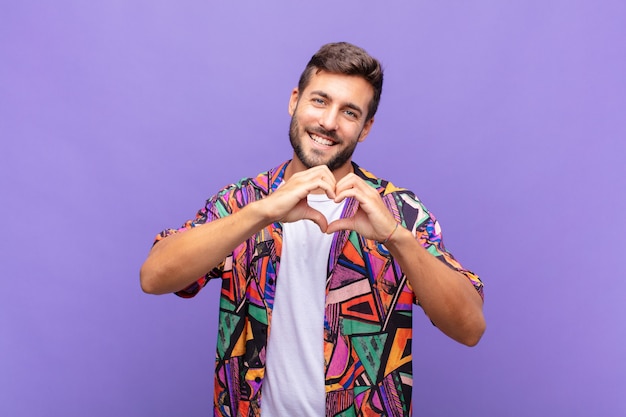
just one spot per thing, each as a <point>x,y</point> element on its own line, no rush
<point>368,312</point>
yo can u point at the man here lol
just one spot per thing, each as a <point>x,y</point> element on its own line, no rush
<point>320,263</point>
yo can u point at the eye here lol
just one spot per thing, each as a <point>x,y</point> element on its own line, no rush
<point>352,114</point>
<point>319,101</point>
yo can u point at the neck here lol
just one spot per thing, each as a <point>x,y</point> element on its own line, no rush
<point>297,166</point>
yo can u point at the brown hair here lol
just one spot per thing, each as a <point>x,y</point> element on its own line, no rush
<point>348,59</point>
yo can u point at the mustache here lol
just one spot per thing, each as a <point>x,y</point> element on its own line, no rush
<point>331,134</point>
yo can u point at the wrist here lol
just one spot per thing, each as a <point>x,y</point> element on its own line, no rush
<point>260,212</point>
<point>390,235</point>
<point>399,237</point>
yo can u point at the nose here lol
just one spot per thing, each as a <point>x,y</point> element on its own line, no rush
<point>328,118</point>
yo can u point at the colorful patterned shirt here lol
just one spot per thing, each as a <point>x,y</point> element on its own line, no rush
<point>368,315</point>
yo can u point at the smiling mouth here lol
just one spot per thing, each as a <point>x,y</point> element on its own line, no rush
<point>321,140</point>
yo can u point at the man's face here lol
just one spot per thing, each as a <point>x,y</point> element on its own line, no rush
<point>328,120</point>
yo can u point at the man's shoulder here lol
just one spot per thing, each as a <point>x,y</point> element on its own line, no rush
<point>259,185</point>
<point>399,199</point>
<point>383,186</point>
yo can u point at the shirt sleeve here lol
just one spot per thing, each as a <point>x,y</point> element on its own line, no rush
<point>429,235</point>
<point>204,215</point>
<point>427,231</point>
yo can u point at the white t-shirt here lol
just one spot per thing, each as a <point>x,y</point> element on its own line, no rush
<point>294,372</point>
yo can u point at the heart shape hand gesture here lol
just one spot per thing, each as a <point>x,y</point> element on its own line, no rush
<point>372,219</point>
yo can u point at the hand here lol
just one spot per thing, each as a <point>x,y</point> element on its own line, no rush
<point>372,219</point>
<point>289,202</point>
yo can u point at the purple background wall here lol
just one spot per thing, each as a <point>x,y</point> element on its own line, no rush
<point>119,118</point>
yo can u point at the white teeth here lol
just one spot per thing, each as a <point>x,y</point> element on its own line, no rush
<point>321,141</point>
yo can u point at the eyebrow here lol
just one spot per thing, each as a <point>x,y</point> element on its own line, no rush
<point>326,96</point>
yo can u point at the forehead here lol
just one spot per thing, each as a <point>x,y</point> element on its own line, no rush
<point>341,88</point>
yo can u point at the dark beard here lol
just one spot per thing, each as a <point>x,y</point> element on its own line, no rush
<point>335,162</point>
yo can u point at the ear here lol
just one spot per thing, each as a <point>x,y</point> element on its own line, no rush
<point>293,101</point>
<point>366,129</point>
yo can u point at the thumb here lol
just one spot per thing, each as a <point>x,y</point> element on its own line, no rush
<point>317,218</point>
<point>340,224</point>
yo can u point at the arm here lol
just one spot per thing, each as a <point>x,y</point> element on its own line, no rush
<point>447,296</point>
<point>177,261</point>
<point>180,259</point>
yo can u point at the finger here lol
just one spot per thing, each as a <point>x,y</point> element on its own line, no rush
<point>301,186</point>
<point>350,181</point>
<point>353,186</point>
<point>371,206</point>
<point>362,193</point>
<point>322,170</point>
<point>315,178</point>
<point>317,172</point>
<point>326,186</point>
<point>326,180</point>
